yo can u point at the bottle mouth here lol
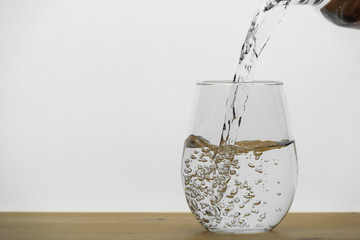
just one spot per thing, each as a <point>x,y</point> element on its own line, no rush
<point>309,2</point>
<point>227,83</point>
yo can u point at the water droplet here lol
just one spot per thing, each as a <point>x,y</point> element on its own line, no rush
<point>196,152</point>
<point>278,182</point>
<point>192,157</point>
<point>279,193</point>
<point>251,165</point>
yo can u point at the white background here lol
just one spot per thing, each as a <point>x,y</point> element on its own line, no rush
<point>95,100</point>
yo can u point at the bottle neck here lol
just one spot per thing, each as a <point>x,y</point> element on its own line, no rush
<point>344,13</point>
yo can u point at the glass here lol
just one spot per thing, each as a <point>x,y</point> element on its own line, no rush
<point>246,187</point>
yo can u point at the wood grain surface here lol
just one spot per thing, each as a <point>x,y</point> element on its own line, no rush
<point>136,226</point>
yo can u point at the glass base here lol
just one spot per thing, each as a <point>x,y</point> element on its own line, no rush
<point>240,230</point>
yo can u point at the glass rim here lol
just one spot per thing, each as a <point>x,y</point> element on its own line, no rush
<point>227,82</point>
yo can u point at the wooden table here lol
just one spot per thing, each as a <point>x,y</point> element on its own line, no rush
<point>182,226</point>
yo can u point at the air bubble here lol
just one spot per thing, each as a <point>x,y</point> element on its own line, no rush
<point>257,203</point>
<point>251,165</point>
<point>249,196</point>
<point>205,150</point>
<point>220,189</point>
<point>229,208</point>
<point>188,170</point>
<point>234,191</point>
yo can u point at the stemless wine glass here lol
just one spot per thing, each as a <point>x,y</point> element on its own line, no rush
<point>248,186</point>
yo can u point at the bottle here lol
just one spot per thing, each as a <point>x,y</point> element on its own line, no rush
<point>344,13</point>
